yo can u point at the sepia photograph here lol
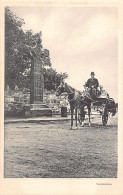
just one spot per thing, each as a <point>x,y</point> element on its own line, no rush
<point>61,94</point>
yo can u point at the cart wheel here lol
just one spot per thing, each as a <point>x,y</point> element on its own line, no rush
<point>105,118</point>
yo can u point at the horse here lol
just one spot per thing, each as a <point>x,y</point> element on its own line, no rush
<point>77,100</point>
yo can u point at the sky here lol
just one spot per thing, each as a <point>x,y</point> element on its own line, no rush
<point>80,40</point>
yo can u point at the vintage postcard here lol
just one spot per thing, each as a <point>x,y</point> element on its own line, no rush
<point>61,97</point>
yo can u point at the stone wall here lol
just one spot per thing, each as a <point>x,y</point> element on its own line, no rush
<point>56,102</point>
<point>14,101</point>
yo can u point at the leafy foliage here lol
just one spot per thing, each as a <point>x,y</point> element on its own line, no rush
<point>52,78</point>
<point>17,50</point>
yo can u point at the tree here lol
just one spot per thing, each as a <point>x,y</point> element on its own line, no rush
<point>52,78</point>
<point>13,35</point>
<point>17,60</point>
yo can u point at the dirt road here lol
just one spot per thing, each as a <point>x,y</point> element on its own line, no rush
<point>51,150</point>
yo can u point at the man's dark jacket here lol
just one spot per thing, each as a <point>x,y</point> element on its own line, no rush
<point>92,82</point>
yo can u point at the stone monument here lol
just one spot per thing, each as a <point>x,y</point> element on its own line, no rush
<point>37,107</point>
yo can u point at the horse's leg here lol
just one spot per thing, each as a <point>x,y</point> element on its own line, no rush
<point>83,120</point>
<point>76,117</point>
<point>82,116</point>
<point>71,118</point>
<point>89,112</point>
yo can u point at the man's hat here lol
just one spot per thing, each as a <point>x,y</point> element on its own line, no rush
<point>92,73</point>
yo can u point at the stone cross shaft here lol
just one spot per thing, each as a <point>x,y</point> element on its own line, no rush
<point>37,79</point>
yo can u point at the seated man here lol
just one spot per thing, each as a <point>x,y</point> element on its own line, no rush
<point>92,85</point>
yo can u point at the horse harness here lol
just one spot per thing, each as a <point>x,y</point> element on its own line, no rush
<point>81,98</point>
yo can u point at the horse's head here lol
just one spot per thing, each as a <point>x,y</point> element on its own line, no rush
<point>60,89</point>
